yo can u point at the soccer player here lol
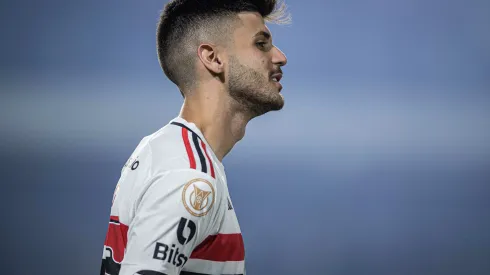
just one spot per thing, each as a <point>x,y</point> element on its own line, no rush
<point>171,211</point>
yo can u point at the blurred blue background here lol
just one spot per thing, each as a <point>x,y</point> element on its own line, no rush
<point>378,164</point>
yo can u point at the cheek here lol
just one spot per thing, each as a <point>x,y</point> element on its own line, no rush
<point>256,59</point>
<point>261,63</point>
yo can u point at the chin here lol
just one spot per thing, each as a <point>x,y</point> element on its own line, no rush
<point>273,104</point>
<point>277,104</point>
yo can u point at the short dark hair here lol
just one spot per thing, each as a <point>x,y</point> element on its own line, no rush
<point>184,23</point>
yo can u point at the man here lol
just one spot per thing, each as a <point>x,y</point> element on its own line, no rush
<point>172,213</point>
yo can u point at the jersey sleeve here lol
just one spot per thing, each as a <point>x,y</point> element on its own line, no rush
<point>172,216</point>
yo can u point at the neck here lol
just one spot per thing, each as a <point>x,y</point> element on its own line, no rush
<point>218,117</point>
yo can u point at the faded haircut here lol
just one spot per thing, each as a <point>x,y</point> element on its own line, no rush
<point>184,24</point>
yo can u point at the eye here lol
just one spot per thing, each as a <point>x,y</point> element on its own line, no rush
<point>261,44</point>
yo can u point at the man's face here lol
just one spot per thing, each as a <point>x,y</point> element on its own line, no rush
<point>254,69</point>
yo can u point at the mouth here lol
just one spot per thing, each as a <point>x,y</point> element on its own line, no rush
<point>276,77</point>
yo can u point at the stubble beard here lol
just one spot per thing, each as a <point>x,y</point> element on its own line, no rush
<point>252,91</point>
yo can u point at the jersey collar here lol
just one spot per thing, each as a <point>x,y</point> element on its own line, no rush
<point>179,121</point>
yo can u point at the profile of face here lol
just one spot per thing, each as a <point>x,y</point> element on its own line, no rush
<point>254,67</point>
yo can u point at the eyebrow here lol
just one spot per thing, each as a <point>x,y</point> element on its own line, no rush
<point>263,33</point>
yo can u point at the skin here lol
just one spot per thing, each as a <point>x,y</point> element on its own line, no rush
<point>234,84</point>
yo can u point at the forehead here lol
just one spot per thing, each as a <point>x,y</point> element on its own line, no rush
<point>250,24</point>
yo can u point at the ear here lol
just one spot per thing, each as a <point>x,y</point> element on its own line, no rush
<point>211,58</point>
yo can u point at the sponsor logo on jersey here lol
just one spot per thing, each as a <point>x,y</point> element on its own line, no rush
<point>135,165</point>
<point>132,163</point>
<point>198,197</point>
<point>181,236</point>
<point>169,254</point>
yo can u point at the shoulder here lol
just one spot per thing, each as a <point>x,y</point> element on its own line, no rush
<point>177,147</point>
<point>162,151</point>
<point>167,163</point>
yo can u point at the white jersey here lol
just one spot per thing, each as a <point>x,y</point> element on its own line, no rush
<point>171,212</point>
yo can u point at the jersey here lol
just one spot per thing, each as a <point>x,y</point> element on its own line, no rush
<point>171,211</point>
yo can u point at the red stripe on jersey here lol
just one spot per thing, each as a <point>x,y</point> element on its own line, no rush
<point>188,148</point>
<point>209,159</point>
<point>220,248</point>
<point>117,239</point>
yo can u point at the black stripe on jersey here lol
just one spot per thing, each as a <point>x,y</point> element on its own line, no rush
<point>183,126</point>
<point>114,221</point>
<point>195,139</point>
<point>193,273</point>
<point>149,272</point>
<point>204,167</point>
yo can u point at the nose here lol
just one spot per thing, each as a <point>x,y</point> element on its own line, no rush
<point>279,57</point>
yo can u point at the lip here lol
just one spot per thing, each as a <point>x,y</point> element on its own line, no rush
<point>278,85</point>
<point>277,75</point>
